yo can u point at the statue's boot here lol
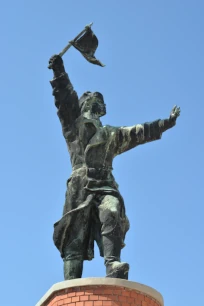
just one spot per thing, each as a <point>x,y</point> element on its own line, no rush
<point>73,269</point>
<point>117,269</point>
<point>112,250</point>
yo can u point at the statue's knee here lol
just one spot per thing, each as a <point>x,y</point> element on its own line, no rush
<point>109,215</point>
<point>110,221</point>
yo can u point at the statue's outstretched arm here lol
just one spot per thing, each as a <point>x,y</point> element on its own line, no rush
<point>66,99</point>
<point>130,137</point>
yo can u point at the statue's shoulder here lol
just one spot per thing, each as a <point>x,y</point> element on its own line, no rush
<point>110,129</point>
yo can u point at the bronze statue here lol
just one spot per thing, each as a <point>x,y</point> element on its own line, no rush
<point>94,208</point>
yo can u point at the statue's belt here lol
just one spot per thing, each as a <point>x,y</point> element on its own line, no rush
<point>95,173</point>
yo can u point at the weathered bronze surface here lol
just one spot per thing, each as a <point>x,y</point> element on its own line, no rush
<point>94,208</point>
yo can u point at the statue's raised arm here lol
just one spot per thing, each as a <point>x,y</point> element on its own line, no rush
<point>66,99</point>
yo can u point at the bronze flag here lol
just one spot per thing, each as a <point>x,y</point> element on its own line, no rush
<point>87,45</point>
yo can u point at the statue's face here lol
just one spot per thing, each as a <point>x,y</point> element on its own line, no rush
<point>98,107</point>
<point>95,104</point>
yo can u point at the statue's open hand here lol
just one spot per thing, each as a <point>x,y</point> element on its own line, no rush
<point>55,61</point>
<point>175,113</point>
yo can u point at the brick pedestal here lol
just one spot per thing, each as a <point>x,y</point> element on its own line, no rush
<point>100,292</point>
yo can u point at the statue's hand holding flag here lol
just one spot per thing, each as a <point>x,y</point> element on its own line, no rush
<point>86,43</point>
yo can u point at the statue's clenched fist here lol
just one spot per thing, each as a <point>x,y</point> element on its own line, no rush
<point>55,62</point>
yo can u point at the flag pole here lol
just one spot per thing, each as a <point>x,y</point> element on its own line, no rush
<point>70,42</point>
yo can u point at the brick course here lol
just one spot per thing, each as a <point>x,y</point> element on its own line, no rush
<point>100,296</point>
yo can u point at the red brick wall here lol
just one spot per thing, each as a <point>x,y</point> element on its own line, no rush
<point>100,296</point>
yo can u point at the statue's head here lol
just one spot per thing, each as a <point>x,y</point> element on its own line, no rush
<point>92,102</point>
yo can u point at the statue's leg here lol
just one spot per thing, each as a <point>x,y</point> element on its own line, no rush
<point>73,250</point>
<point>73,269</point>
<point>73,260</point>
<point>112,237</point>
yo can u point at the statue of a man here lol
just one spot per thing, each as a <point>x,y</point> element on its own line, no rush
<point>94,208</point>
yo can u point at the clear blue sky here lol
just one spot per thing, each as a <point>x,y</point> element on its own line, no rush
<point>153,51</point>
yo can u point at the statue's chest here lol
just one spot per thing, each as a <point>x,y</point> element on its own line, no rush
<point>98,137</point>
<point>90,133</point>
